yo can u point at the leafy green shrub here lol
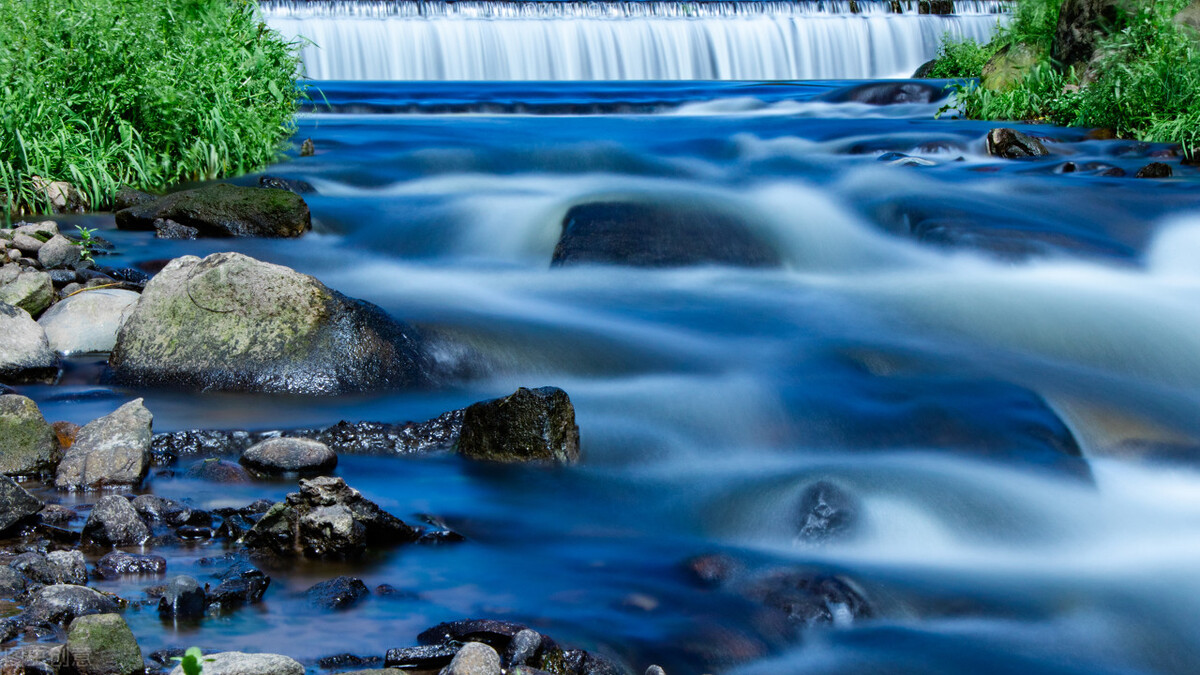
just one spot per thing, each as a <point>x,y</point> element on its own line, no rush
<point>142,92</point>
<point>1146,85</point>
<point>960,59</point>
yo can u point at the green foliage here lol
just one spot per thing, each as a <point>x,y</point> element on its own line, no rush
<point>142,92</point>
<point>1146,84</point>
<point>86,241</point>
<point>960,59</point>
<point>191,661</point>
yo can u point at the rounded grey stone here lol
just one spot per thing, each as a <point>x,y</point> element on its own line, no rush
<point>88,322</point>
<point>285,455</point>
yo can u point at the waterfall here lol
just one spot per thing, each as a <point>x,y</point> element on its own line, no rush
<point>650,40</point>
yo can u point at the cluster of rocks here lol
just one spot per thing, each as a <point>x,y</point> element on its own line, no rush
<point>1012,144</point>
<point>44,276</point>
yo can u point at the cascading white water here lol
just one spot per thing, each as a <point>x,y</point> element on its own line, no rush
<point>484,40</point>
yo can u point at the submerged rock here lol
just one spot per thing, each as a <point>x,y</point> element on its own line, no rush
<point>114,522</point>
<point>16,504</point>
<point>337,593</point>
<point>30,446</point>
<point>119,563</point>
<point>1012,144</point>
<point>25,354</point>
<point>888,93</point>
<point>826,512</point>
<point>239,663</point>
<point>529,425</point>
<point>811,599</point>
<point>89,321</point>
<point>216,470</point>
<point>113,450</point>
<point>300,187</point>
<point>231,322</point>
<point>224,211</point>
<point>183,598</point>
<point>326,519</point>
<point>1155,170</point>
<point>659,235</point>
<point>102,644</point>
<point>290,455</point>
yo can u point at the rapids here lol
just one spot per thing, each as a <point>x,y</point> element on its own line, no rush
<point>935,336</point>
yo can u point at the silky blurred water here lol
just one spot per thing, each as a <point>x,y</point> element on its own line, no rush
<point>933,336</point>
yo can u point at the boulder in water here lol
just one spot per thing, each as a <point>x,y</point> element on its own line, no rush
<point>826,512</point>
<point>230,322</point>
<point>1012,144</point>
<point>224,211</point>
<point>338,593</point>
<point>528,425</point>
<point>113,450</point>
<point>114,522</point>
<point>1155,170</point>
<point>183,598</point>
<point>89,321</point>
<point>102,644</point>
<point>30,444</point>
<point>659,235</point>
<point>887,93</point>
<point>63,603</point>
<point>290,455</point>
<point>25,354</point>
<point>239,663</point>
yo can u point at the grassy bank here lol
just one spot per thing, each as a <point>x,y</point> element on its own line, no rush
<point>142,92</point>
<point>1143,84</point>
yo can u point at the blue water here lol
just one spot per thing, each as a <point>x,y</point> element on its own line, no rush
<point>937,335</point>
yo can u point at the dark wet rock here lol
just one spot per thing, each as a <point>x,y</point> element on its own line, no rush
<point>119,563</point>
<point>155,509</point>
<point>69,567</point>
<point>224,211</point>
<point>57,515</point>
<point>339,661</point>
<point>1112,171</point>
<point>128,197</point>
<point>529,425</point>
<point>239,663</point>
<point>230,322</point>
<point>659,235</point>
<point>923,71</point>
<point>578,662</point>
<point>439,433</point>
<point>216,470</point>
<point>494,632</point>
<point>826,512</point>
<point>165,228</point>
<point>474,658</point>
<point>62,277</point>
<point>1012,144</point>
<point>13,584</point>
<point>290,455</point>
<point>237,590</point>
<point>713,569</point>
<point>87,322</point>
<point>182,598</point>
<point>113,522</point>
<point>102,644</point>
<point>25,354</point>
<point>36,568</point>
<point>29,442</point>
<point>1155,170</point>
<point>888,93</point>
<point>300,187</point>
<point>16,504</point>
<point>30,290</point>
<point>62,603</point>
<point>523,647</point>
<point>1081,23</point>
<point>169,447</point>
<point>113,450</point>
<point>194,532</point>
<point>810,599</point>
<point>438,532</point>
<point>337,593</point>
<point>31,659</point>
<point>326,519</point>
<point>307,149</point>
<point>425,657</point>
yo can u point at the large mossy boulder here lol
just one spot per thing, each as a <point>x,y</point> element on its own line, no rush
<point>224,211</point>
<point>528,425</point>
<point>230,322</point>
<point>28,444</point>
<point>659,235</point>
<point>1009,66</point>
<point>102,644</point>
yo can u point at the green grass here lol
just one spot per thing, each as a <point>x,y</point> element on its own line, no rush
<point>1146,86</point>
<point>960,59</point>
<point>146,93</point>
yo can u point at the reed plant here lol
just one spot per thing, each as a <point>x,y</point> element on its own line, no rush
<point>148,93</point>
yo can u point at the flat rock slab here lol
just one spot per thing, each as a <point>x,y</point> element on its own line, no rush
<point>88,322</point>
<point>224,211</point>
<point>240,663</point>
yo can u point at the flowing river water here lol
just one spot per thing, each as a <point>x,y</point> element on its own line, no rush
<point>945,327</point>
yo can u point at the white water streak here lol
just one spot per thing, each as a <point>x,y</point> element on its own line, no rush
<point>488,41</point>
